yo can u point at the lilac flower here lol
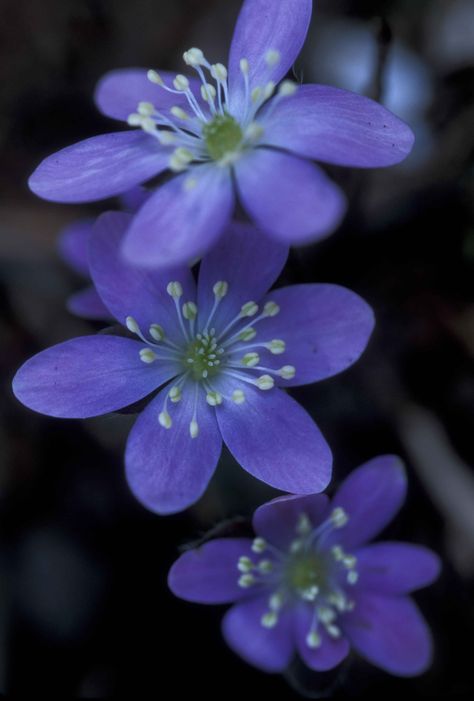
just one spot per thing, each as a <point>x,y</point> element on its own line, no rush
<point>220,358</point>
<point>74,250</point>
<point>309,583</point>
<point>229,124</point>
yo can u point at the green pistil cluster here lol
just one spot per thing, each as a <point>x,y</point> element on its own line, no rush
<point>222,136</point>
<point>203,356</point>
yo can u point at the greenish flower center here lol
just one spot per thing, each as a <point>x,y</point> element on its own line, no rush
<point>222,136</point>
<point>203,357</point>
<point>305,572</point>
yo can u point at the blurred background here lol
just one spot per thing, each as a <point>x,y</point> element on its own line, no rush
<point>84,607</point>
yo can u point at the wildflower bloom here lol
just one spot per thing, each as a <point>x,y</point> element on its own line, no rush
<point>74,250</point>
<point>236,123</point>
<point>220,353</point>
<point>309,583</point>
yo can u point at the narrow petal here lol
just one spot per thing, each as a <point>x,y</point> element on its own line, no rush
<point>337,126</point>
<point>269,649</point>
<point>131,291</point>
<point>263,26</point>
<point>396,568</point>
<point>118,92</point>
<point>371,496</point>
<point>87,304</point>
<point>276,521</point>
<point>391,633</point>
<point>99,167</point>
<point>167,470</point>
<point>291,199</point>
<point>182,220</point>
<point>275,439</point>
<point>73,245</point>
<point>88,376</point>
<point>326,328</point>
<point>245,258</point>
<point>209,574</point>
<point>329,654</point>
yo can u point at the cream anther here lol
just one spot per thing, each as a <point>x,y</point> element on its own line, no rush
<point>287,88</point>
<point>304,526</point>
<point>250,360</point>
<point>265,566</point>
<point>146,109</point>
<point>259,545</point>
<point>276,601</point>
<point>220,289</point>
<point>190,311</point>
<point>247,334</point>
<point>156,332</point>
<point>208,92</point>
<point>132,325</point>
<point>276,346</point>
<point>155,77</point>
<point>244,66</point>
<point>193,429</point>
<point>287,372</point>
<point>134,120</point>
<point>181,83</point>
<point>269,620</point>
<point>238,397</point>
<point>334,631</point>
<point>175,394</point>
<point>352,577</point>
<point>271,309</point>
<point>245,564</point>
<point>166,138</point>
<point>269,89</point>
<point>339,518</point>
<point>219,72</point>
<point>313,640</point>
<point>311,593</point>
<point>174,289</point>
<point>272,57</point>
<point>256,94</point>
<point>214,398</point>
<point>265,382</point>
<point>246,580</point>
<point>249,309</point>
<point>180,159</point>
<point>254,131</point>
<point>179,113</point>
<point>147,356</point>
<point>164,419</point>
<point>194,57</point>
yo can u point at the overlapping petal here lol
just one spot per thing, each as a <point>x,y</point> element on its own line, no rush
<point>337,126</point>
<point>88,376</point>
<point>268,649</point>
<point>395,568</point>
<point>87,304</point>
<point>325,328</point>
<point>263,26</point>
<point>182,219</point>
<point>331,651</point>
<point>290,198</point>
<point>167,470</point>
<point>245,258</point>
<point>391,633</point>
<point>276,521</point>
<point>274,438</point>
<point>74,243</point>
<point>208,574</point>
<point>99,167</point>
<point>371,496</point>
<point>130,291</point>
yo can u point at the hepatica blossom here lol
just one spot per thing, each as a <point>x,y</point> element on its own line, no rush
<point>237,123</point>
<point>309,582</point>
<point>213,360</point>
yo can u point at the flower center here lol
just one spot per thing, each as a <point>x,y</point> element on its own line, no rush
<point>203,356</point>
<point>304,573</point>
<point>222,136</point>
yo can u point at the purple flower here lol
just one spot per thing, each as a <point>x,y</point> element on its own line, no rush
<point>309,583</point>
<point>74,250</point>
<point>220,353</point>
<point>229,124</point>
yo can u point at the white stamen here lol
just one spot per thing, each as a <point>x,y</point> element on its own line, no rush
<point>220,289</point>
<point>180,159</point>
<point>244,66</point>
<point>256,94</point>
<point>146,109</point>
<point>193,429</point>
<point>219,72</point>
<point>175,394</point>
<point>352,577</point>
<point>238,397</point>
<point>259,545</point>
<point>310,593</point>
<point>339,517</point>
<point>156,332</point>
<point>247,334</point>
<point>277,347</point>
<point>268,90</point>
<point>155,77</point>
<point>304,526</point>
<point>272,57</point>
<point>194,57</point>
<point>276,601</point>
<point>249,309</point>
<point>254,131</point>
<point>265,382</point>
<point>287,372</point>
<point>165,419</point>
<point>208,92</point>
<point>271,309</point>
<point>132,325</point>
<point>269,620</point>
<point>214,398</point>
<point>190,311</point>
<point>181,83</point>
<point>265,566</point>
<point>334,631</point>
<point>147,356</point>
<point>245,564</point>
<point>250,360</point>
<point>287,88</point>
<point>313,640</point>
<point>246,581</point>
<point>174,289</point>
<point>179,113</point>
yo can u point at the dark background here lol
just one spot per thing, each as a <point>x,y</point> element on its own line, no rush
<point>84,607</point>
